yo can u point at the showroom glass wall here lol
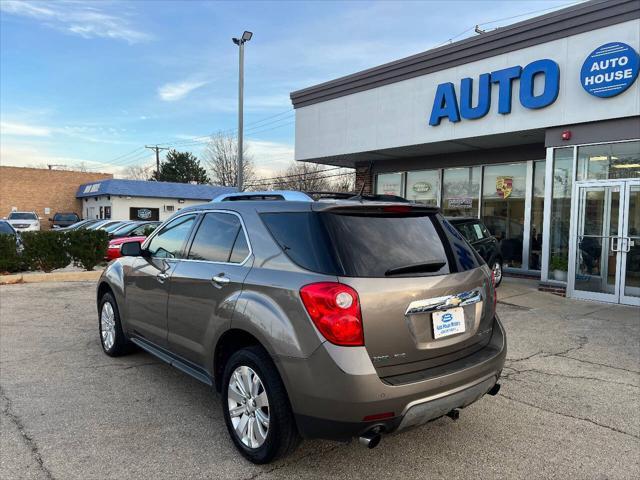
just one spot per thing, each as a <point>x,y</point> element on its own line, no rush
<point>565,166</point>
<point>509,198</point>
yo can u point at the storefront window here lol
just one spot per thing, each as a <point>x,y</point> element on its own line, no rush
<point>389,184</point>
<point>560,213</point>
<point>503,202</point>
<point>460,192</point>
<point>609,161</point>
<point>537,213</point>
<point>424,187</point>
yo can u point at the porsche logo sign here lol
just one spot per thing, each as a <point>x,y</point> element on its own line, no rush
<point>504,186</point>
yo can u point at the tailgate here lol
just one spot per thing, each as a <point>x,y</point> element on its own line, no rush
<point>398,318</point>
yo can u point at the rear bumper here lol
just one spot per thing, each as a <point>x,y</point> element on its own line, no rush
<point>332,404</point>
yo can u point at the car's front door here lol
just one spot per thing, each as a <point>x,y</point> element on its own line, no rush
<point>206,284</point>
<point>148,283</point>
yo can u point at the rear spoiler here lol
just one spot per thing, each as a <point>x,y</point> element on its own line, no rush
<point>374,208</point>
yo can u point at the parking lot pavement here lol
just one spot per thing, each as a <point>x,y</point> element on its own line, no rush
<point>569,406</point>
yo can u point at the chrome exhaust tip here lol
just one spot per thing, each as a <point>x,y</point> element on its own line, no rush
<point>370,439</point>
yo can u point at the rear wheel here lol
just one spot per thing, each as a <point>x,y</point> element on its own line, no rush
<point>256,407</point>
<point>112,338</point>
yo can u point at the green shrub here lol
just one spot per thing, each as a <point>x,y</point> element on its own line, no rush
<point>10,261</point>
<point>87,248</point>
<point>559,263</point>
<point>45,250</point>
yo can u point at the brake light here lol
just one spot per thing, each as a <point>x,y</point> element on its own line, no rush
<point>334,309</point>
<point>397,209</point>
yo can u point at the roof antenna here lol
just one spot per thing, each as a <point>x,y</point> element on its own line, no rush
<point>364,181</point>
<point>479,30</point>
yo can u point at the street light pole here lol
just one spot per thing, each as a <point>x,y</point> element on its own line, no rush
<point>246,36</point>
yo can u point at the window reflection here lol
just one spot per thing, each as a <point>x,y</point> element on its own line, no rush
<point>503,201</point>
<point>560,213</point>
<point>389,184</point>
<point>537,213</point>
<point>461,188</point>
<point>423,186</point>
<point>610,161</point>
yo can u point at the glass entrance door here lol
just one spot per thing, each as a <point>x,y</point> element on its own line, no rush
<point>605,254</point>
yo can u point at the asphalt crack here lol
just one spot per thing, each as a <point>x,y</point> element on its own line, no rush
<point>593,422</point>
<point>510,376</point>
<point>288,464</point>
<point>28,439</point>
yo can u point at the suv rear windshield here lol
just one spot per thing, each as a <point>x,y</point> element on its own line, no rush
<point>369,245</point>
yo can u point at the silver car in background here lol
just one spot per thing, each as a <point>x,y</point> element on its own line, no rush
<point>24,221</point>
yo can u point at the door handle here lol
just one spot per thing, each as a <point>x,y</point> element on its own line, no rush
<point>615,244</point>
<point>628,243</point>
<point>162,277</point>
<point>220,280</point>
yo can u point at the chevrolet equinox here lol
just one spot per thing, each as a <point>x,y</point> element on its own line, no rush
<point>328,319</point>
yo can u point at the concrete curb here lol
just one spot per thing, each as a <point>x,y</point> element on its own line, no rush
<point>50,277</point>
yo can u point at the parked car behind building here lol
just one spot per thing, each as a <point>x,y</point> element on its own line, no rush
<point>24,221</point>
<point>62,220</point>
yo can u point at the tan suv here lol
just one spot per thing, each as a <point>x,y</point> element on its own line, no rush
<point>326,319</point>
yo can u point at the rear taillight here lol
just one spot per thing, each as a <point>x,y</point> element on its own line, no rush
<point>334,309</point>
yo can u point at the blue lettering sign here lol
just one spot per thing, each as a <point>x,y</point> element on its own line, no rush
<point>551,72</point>
<point>445,103</point>
<point>609,70</point>
<point>484,97</point>
<point>504,79</point>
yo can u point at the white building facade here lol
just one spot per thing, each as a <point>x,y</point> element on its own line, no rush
<point>534,128</point>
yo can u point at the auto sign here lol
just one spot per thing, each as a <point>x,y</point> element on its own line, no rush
<point>609,70</point>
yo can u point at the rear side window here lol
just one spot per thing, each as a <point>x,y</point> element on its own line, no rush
<point>302,236</point>
<point>216,239</point>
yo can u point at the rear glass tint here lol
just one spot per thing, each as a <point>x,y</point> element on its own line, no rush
<point>366,245</point>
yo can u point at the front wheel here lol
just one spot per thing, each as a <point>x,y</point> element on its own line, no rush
<point>497,272</point>
<point>112,338</point>
<point>256,407</point>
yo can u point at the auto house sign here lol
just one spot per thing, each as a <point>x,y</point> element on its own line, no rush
<point>422,187</point>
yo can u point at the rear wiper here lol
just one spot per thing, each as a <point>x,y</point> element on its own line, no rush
<point>432,266</point>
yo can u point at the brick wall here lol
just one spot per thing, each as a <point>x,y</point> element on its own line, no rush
<point>363,175</point>
<point>34,189</point>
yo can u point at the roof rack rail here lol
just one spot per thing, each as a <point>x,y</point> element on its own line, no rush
<point>287,195</point>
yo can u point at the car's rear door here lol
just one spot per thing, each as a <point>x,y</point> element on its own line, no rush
<point>206,284</point>
<point>148,281</point>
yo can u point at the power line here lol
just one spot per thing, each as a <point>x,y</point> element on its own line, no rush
<point>157,149</point>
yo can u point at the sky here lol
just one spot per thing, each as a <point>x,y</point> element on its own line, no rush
<point>93,81</point>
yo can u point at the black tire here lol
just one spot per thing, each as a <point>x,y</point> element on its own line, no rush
<point>121,346</point>
<point>282,436</point>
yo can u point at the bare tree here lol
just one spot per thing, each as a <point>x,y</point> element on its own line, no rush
<point>221,160</point>
<point>139,172</point>
<point>309,177</point>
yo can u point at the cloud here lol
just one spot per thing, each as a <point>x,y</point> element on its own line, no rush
<point>24,130</point>
<point>76,18</point>
<point>269,158</point>
<point>171,92</point>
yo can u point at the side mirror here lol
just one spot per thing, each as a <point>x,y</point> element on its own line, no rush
<point>51,219</point>
<point>133,249</point>
<point>39,218</point>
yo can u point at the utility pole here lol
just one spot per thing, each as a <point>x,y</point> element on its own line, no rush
<point>157,149</point>
<point>246,36</point>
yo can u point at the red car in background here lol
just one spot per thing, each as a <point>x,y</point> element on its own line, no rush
<point>113,250</point>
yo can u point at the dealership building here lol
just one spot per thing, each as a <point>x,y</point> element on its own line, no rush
<point>142,200</point>
<point>533,127</point>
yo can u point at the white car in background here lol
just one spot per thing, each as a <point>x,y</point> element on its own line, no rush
<point>24,221</point>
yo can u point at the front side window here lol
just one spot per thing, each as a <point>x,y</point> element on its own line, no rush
<point>168,243</point>
<point>217,237</point>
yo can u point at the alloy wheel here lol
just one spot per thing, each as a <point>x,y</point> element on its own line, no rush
<point>107,326</point>
<point>248,407</point>
<point>497,272</point>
